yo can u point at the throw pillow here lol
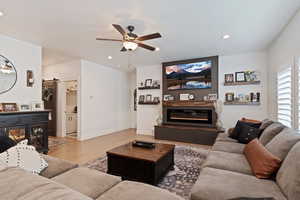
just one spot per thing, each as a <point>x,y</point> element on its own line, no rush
<point>270,132</point>
<point>263,163</point>
<point>254,121</point>
<point>237,129</point>
<point>282,143</point>
<point>247,134</point>
<point>6,143</point>
<point>265,123</point>
<point>25,157</point>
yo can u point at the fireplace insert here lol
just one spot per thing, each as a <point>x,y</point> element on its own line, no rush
<point>189,116</point>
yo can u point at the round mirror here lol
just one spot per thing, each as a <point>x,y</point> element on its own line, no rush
<point>8,75</point>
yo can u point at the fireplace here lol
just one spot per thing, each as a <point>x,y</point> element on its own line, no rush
<point>190,116</point>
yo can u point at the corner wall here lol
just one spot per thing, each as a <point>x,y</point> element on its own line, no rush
<point>105,106</point>
<point>24,56</point>
<point>282,52</point>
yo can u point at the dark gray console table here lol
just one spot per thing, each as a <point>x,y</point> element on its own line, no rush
<point>31,125</point>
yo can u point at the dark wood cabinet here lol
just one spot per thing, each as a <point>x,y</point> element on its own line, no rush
<point>50,102</point>
<point>31,125</point>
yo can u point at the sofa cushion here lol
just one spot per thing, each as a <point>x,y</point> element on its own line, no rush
<point>128,190</point>
<point>229,147</point>
<point>56,166</point>
<point>216,184</point>
<point>265,123</point>
<point>228,161</point>
<point>288,176</point>
<point>262,162</point>
<point>270,132</point>
<point>282,143</point>
<point>224,137</point>
<point>18,184</point>
<point>87,181</point>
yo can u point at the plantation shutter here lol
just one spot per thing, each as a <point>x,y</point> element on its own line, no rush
<point>284,97</point>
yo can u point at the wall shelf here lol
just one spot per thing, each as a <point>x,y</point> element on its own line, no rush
<point>242,83</point>
<point>149,88</point>
<point>242,103</point>
<point>149,103</point>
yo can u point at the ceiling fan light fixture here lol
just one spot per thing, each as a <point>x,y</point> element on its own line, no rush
<point>131,46</point>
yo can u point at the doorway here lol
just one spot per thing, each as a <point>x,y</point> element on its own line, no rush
<point>71,106</point>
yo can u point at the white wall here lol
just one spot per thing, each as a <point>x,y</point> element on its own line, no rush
<point>282,52</point>
<point>243,62</point>
<point>24,56</point>
<point>133,86</point>
<point>147,114</point>
<point>66,71</point>
<point>105,106</point>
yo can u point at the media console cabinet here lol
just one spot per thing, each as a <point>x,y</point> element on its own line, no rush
<point>31,125</point>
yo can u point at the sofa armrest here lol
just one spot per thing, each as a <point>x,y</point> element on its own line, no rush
<point>56,166</point>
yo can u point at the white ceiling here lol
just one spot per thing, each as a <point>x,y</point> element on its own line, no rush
<point>190,28</point>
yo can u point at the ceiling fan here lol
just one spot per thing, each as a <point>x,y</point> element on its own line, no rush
<point>131,41</point>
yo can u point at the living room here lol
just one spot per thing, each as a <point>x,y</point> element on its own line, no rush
<point>123,100</point>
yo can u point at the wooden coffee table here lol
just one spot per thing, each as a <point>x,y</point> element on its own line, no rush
<point>141,164</point>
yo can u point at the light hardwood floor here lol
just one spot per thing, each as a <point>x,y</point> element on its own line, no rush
<point>83,151</point>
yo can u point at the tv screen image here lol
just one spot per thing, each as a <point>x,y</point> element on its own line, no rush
<point>189,76</point>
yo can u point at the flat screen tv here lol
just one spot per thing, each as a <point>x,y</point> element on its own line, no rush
<point>196,75</point>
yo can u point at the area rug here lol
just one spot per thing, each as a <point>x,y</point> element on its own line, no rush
<point>187,167</point>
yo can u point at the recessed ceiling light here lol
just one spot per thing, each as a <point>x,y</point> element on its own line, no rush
<point>157,49</point>
<point>225,37</point>
<point>109,57</point>
<point>1,14</point>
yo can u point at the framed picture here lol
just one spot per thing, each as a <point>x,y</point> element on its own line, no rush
<point>9,107</point>
<point>171,98</point>
<point>212,97</point>
<point>240,77</point>
<point>255,76</point>
<point>24,107</point>
<point>184,97</point>
<point>229,78</point>
<point>155,83</point>
<point>38,105</point>
<point>142,98</point>
<point>148,82</point>
<point>166,97</point>
<point>156,99</point>
<point>148,98</point>
<point>229,97</point>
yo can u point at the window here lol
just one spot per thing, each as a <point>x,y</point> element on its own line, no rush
<point>284,97</point>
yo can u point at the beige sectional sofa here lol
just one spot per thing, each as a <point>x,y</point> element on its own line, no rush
<point>63,180</point>
<point>226,174</point>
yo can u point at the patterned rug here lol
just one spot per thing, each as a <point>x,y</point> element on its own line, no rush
<point>188,162</point>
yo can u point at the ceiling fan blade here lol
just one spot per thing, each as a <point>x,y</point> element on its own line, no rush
<point>104,39</point>
<point>145,46</point>
<point>123,49</point>
<point>149,37</point>
<point>119,28</point>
